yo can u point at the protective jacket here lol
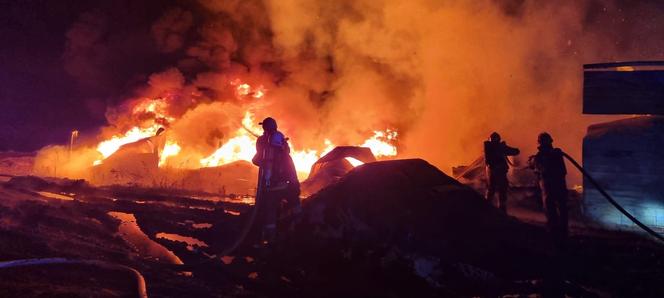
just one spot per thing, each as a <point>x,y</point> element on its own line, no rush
<point>495,153</point>
<point>273,157</point>
<point>549,166</point>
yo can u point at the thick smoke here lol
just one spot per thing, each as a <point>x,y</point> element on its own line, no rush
<point>448,73</point>
<point>445,74</point>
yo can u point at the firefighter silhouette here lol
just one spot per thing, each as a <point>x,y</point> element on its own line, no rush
<point>277,177</point>
<point>495,159</point>
<point>550,168</point>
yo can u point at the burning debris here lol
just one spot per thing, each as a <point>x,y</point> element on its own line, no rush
<point>334,165</point>
<point>151,153</point>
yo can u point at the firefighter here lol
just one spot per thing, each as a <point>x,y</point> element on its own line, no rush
<point>550,168</point>
<point>277,177</point>
<point>495,159</point>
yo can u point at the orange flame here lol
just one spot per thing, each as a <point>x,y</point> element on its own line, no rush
<point>380,143</point>
<point>242,146</point>
<point>244,89</point>
<point>171,148</point>
<point>108,147</point>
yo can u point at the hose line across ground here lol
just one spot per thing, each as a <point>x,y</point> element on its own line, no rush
<point>611,200</point>
<point>140,281</point>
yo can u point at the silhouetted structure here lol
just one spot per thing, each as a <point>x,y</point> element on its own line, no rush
<point>277,177</point>
<point>549,165</point>
<point>495,159</point>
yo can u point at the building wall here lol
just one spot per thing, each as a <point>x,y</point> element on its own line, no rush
<point>627,158</point>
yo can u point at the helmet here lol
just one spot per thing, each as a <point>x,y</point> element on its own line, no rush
<point>495,137</point>
<point>269,124</point>
<point>544,138</point>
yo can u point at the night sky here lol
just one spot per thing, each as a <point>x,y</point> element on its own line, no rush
<point>44,91</point>
<point>50,85</point>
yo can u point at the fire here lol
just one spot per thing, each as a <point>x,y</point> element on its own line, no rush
<point>242,145</point>
<point>171,148</point>
<point>158,107</point>
<point>380,143</point>
<point>303,161</point>
<point>108,147</point>
<point>244,89</point>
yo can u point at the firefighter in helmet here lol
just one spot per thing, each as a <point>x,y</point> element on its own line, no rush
<point>277,177</point>
<point>550,168</point>
<point>495,159</point>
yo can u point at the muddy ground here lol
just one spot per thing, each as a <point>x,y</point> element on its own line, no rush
<point>388,229</point>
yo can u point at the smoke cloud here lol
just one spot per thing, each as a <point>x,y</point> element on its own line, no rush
<point>444,74</point>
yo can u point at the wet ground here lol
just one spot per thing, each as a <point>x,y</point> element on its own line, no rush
<point>175,241</point>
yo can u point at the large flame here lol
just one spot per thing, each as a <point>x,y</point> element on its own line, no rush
<point>381,143</point>
<point>108,147</point>
<point>171,148</point>
<point>242,145</point>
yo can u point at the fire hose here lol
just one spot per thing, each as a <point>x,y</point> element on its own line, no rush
<point>252,217</point>
<point>140,281</point>
<point>611,200</point>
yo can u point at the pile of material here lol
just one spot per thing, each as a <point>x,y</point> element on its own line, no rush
<point>410,219</point>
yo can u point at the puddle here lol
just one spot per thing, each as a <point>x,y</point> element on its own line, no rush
<point>239,199</point>
<point>190,241</point>
<point>174,204</point>
<point>202,225</point>
<point>131,232</point>
<point>195,225</point>
<point>55,196</point>
<point>231,212</point>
